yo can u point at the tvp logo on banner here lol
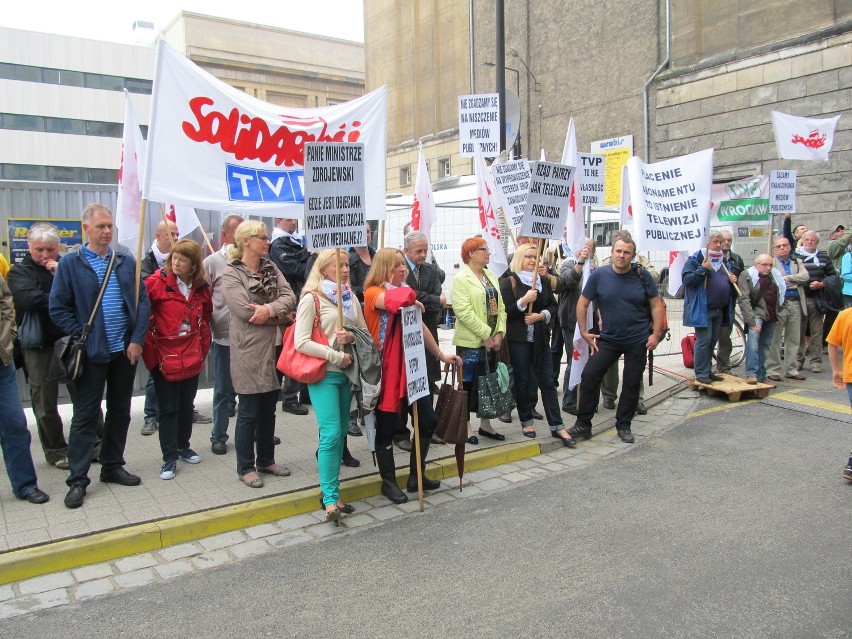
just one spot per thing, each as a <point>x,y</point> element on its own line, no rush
<point>671,201</point>
<point>742,202</point>
<point>211,146</point>
<point>479,124</point>
<point>334,196</point>
<point>592,178</point>
<point>547,203</point>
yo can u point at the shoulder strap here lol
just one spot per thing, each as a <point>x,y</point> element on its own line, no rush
<point>88,327</point>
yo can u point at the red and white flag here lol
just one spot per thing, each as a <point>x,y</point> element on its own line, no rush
<point>677,260</point>
<point>580,353</point>
<point>423,214</point>
<point>575,234</point>
<point>184,217</point>
<point>626,208</point>
<point>803,138</point>
<point>128,206</point>
<point>488,214</point>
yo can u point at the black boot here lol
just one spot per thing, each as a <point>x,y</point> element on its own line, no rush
<point>428,484</point>
<point>387,471</point>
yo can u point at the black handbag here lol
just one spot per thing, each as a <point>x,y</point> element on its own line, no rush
<point>492,400</point>
<point>69,352</point>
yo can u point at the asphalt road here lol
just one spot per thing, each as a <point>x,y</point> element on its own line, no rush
<point>732,524</point>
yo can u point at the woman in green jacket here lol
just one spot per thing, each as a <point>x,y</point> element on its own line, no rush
<point>480,323</point>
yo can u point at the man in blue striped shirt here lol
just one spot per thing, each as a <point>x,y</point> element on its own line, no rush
<point>112,350</point>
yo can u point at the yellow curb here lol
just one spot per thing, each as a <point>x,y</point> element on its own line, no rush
<point>795,398</point>
<point>26,563</point>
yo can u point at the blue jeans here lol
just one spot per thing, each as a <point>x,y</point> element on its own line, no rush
<point>757,347</point>
<point>117,376</point>
<point>255,428</point>
<point>15,437</point>
<point>705,340</point>
<point>223,391</point>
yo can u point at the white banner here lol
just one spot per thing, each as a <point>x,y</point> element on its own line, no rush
<point>128,206</point>
<point>488,214</point>
<point>416,375</point>
<point>625,210</point>
<point>592,175</point>
<point>479,124</point>
<point>803,138</point>
<point>512,180</point>
<point>212,146</point>
<point>575,230</point>
<point>742,202</point>
<point>671,201</point>
<point>423,213</point>
<point>548,203</point>
<point>782,192</point>
<point>334,195</point>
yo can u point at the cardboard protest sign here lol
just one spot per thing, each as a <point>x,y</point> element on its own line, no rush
<point>547,202</point>
<point>592,179</point>
<point>334,195</point>
<point>416,375</point>
<point>741,202</point>
<point>671,201</point>
<point>782,191</point>
<point>479,124</point>
<point>512,180</point>
<point>616,151</point>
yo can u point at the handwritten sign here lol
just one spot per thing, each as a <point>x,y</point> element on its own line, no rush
<point>671,201</point>
<point>512,180</point>
<point>782,191</point>
<point>334,195</point>
<point>479,124</point>
<point>416,375</point>
<point>548,200</point>
<point>592,178</point>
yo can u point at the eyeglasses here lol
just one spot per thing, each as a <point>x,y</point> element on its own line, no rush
<point>262,238</point>
<point>484,248</point>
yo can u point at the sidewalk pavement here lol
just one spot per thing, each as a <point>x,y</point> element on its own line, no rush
<point>208,499</point>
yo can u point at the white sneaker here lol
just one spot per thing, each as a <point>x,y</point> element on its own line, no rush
<point>169,470</point>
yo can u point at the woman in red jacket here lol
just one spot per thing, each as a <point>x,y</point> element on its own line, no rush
<point>176,345</point>
<point>385,293</point>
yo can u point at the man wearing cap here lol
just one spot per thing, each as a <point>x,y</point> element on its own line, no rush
<point>839,244</point>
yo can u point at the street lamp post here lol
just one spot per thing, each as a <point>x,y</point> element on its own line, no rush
<point>536,87</point>
<point>516,149</point>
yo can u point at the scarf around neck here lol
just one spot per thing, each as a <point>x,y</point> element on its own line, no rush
<point>526,278</point>
<point>329,289</point>
<point>813,257</point>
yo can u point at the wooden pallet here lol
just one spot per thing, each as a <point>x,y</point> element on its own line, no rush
<point>736,388</point>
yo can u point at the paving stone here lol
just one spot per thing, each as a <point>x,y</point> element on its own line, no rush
<point>40,601</point>
<point>211,559</point>
<point>442,497</point>
<point>377,501</point>
<point>181,551</point>
<point>136,562</point>
<point>386,512</point>
<point>290,539</point>
<point>250,548</point>
<point>574,462</point>
<point>175,568</point>
<point>296,523</point>
<point>6,592</point>
<point>93,588</point>
<point>357,521</point>
<point>450,482</point>
<point>46,583</point>
<point>535,472</point>
<point>515,477</point>
<point>264,530</point>
<point>524,464</point>
<point>326,529</point>
<point>492,484</point>
<point>505,468</point>
<point>553,467</point>
<point>413,504</point>
<point>223,541</point>
<point>95,571</point>
<point>469,491</point>
<point>480,475</point>
<point>136,578</point>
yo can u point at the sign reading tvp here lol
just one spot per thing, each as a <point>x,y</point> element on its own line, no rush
<point>261,185</point>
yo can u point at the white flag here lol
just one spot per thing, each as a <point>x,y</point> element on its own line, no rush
<point>575,233</point>
<point>803,138</point>
<point>677,260</point>
<point>487,214</point>
<point>580,353</point>
<point>127,208</point>
<point>423,213</point>
<point>184,217</point>
<point>626,208</point>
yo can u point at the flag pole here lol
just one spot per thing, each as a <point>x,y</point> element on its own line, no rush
<point>538,251</point>
<point>139,241</point>
<point>339,296</point>
<point>417,456</point>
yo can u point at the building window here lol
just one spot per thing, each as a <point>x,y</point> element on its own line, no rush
<point>66,174</point>
<point>444,167</point>
<point>45,75</point>
<point>405,175</point>
<point>22,172</point>
<point>102,176</point>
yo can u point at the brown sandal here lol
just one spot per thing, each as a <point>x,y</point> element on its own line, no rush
<point>276,469</point>
<point>252,482</point>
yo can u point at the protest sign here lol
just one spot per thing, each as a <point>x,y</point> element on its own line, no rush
<point>671,201</point>
<point>782,191</point>
<point>512,180</point>
<point>479,124</point>
<point>616,151</point>
<point>416,375</point>
<point>334,195</point>
<point>741,202</point>
<point>547,202</point>
<point>592,178</point>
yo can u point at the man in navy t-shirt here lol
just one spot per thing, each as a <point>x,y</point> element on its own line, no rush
<point>628,302</point>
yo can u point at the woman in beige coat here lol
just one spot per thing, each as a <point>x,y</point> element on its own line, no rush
<point>260,300</point>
